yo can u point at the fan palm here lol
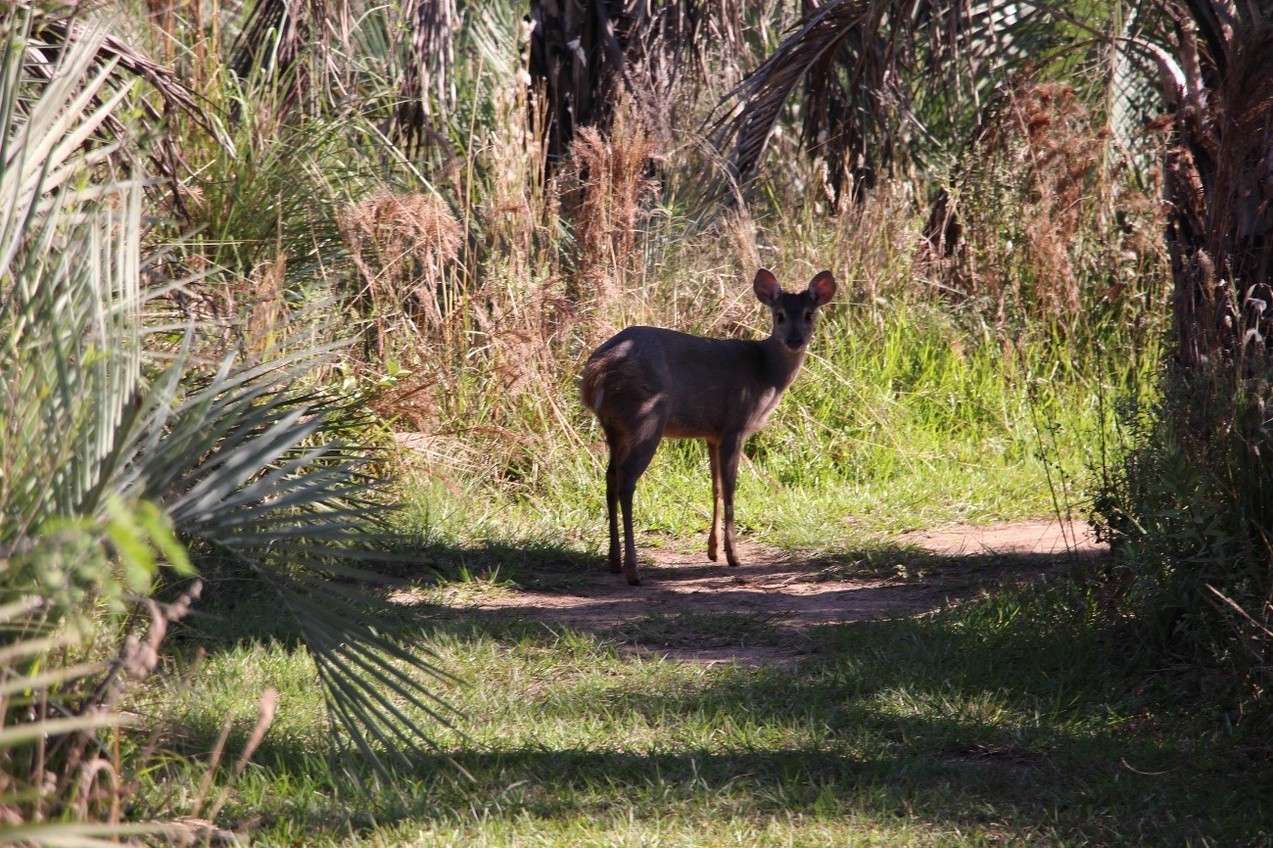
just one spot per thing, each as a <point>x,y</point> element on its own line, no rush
<point>119,446</point>
<point>879,80</point>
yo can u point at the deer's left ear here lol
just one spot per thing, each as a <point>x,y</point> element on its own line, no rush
<point>822,287</point>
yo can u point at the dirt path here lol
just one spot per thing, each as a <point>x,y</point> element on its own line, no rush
<point>688,608</point>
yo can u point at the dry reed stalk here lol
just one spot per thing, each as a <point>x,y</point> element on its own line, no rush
<point>872,246</point>
<point>401,245</point>
<point>519,211</point>
<point>265,717</point>
<point>265,311</point>
<point>611,182</point>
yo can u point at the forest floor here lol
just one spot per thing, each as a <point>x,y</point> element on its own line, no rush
<point>903,693</point>
<point>676,612</point>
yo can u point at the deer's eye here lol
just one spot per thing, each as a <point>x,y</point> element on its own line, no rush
<point>780,318</point>
<point>808,316</point>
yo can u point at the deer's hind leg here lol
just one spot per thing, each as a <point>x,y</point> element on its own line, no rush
<point>618,452</point>
<point>641,450</point>
<point>713,537</point>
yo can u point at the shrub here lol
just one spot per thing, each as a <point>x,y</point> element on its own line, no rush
<point>1188,510</point>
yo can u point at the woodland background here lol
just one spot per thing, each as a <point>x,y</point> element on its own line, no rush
<point>294,295</point>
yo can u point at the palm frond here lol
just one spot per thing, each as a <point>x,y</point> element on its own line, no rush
<point>49,35</point>
<point>46,37</point>
<point>94,426</point>
<point>765,93</point>
<point>875,75</point>
<point>61,835</point>
<point>300,514</point>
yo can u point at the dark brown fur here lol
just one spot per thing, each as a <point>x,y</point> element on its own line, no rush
<point>648,383</point>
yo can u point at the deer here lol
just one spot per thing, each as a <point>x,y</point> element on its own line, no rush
<point>646,384</point>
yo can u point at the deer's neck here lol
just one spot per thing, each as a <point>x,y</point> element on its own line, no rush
<point>781,363</point>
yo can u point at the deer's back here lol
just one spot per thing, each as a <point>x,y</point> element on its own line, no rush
<point>699,387</point>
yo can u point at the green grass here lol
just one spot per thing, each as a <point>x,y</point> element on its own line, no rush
<point>899,421</point>
<point>1011,721</point>
<point>1022,719</point>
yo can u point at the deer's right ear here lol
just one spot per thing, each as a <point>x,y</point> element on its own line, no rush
<point>766,287</point>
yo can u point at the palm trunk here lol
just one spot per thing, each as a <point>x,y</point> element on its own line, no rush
<point>1219,184</point>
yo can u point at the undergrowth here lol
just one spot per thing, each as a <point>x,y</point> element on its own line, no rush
<point>1009,720</point>
<point>1186,508</point>
<point>989,318</point>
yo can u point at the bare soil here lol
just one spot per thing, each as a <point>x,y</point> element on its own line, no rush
<point>761,613</point>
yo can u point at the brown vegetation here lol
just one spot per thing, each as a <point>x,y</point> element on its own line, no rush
<point>400,244</point>
<point>611,181</point>
<point>1041,168</point>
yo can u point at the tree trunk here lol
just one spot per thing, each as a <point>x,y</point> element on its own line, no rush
<point>1219,183</point>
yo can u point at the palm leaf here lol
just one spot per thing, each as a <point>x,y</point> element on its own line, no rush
<point>875,75</point>
<point>235,455</point>
<point>66,835</point>
<point>54,33</point>
<point>46,35</point>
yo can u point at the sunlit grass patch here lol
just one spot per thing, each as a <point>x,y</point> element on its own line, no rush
<point>1006,720</point>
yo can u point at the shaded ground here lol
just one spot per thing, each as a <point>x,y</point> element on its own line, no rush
<point>689,608</point>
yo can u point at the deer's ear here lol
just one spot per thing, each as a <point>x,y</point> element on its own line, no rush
<point>822,288</point>
<point>766,287</point>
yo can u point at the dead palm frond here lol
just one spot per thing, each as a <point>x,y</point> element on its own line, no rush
<point>876,76</point>
<point>46,37</point>
<point>284,41</point>
<point>426,73</point>
<point>585,55</point>
<point>1213,63</point>
<point>49,35</point>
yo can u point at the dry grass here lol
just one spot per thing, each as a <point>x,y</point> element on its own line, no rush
<point>265,312</point>
<point>611,180</point>
<point>516,203</point>
<point>401,244</point>
<point>73,699</point>
<point>1037,208</point>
